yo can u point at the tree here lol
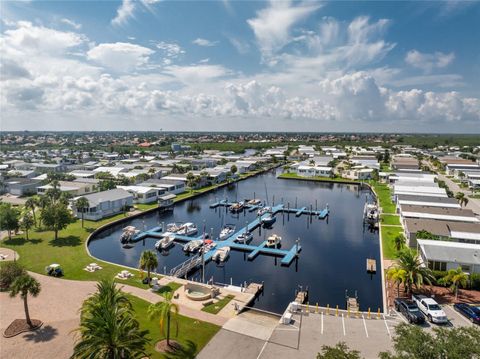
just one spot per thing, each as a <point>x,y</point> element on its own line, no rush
<point>398,276</point>
<point>25,285</point>
<point>415,273</point>
<point>105,185</point>
<point>339,351</point>
<point>461,198</point>
<point>56,217</point>
<point>399,242</point>
<point>31,204</point>
<point>8,218</point>
<point>165,310</point>
<point>233,169</point>
<point>455,278</point>
<point>26,222</point>
<point>190,180</point>
<point>108,328</point>
<point>9,271</point>
<point>423,234</point>
<point>149,262</point>
<point>82,205</point>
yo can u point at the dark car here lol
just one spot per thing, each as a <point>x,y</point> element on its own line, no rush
<point>469,311</point>
<point>409,310</point>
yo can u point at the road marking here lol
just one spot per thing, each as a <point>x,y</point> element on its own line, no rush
<point>343,323</point>
<point>386,326</point>
<point>261,351</point>
<point>365,325</point>
<point>322,324</point>
<point>458,315</point>
<point>401,316</point>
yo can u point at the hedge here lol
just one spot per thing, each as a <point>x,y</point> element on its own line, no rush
<point>474,279</point>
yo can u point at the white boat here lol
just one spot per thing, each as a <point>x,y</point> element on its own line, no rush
<point>192,246</point>
<point>237,207</point>
<point>187,229</point>
<point>370,212</point>
<point>128,233</point>
<point>226,231</point>
<point>268,220</point>
<point>174,227</point>
<point>221,254</point>
<point>274,240</point>
<point>209,246</point>
<point>264,210</point>
<point>244,237</point>
<point>254,202</point>
<point>165,242</point>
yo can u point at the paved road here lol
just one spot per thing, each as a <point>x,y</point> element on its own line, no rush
<point>473,203</point>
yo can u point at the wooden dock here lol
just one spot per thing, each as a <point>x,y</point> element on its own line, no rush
<point>254,288</point>
<point>301,297</point>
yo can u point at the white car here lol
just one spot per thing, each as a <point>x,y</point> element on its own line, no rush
<point>432,310</point>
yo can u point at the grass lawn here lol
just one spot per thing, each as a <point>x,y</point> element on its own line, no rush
<point>315,178</point>
<point>68,250</point>
<point>384,197</point>
<point>214,308</point>
<point>146,206</point>
<point>390,219</point>
<point>169,288</point>
<point>384,167</point>
<point>192,334</point>
<point>388,241</point>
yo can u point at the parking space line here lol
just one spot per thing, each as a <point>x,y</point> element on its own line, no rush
<point>365,325</point>
<point>322,325</point>
<point>386,326</point>
<point>401,316</point>
<point>458,315</point>
<point>261,351</point>
<point>343,323</point>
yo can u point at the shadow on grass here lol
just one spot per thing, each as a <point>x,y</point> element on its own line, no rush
<point>89,230</point>
<point>70,241</point>
<point>44,334</point>
<point>187,350</point>
<point>20,241</point>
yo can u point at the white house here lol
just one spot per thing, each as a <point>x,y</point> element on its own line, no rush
<point>104,204</point>
<point>142,194</point>
<point>314,171</point>
<point>358,173</point>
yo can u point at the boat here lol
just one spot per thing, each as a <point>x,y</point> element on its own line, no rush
<point>221,254</point>
<point>174,227</point>
<point>165,242</point>
<point>209,245</point>
<point>237,207</point>
<point>192,246</point>
<point>244,237</point>
<point>187,229</point>
<point>226,231</point>
<point>253,202</point>
<point>370,212</point>
<point>264,210</point>
<point>273,241</point>
<point>371,265</point>
<point>128,233</point>
<point>269,220</point>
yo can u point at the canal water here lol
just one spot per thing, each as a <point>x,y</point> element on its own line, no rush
<point>333,256</point>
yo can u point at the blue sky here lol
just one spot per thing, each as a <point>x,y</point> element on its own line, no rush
<point>241,65</point>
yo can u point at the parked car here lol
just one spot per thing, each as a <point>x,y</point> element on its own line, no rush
<point>409,310</point>
<point>469,311</point>
<point>431,309</point>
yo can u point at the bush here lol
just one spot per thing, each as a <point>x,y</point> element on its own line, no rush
<point>473,283</point>
<point>9,271</point>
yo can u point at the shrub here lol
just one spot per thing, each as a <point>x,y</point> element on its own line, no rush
<point>9,271</point>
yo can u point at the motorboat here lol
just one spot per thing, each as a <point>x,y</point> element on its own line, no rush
<point>209,245</point>
<point>269,220</point>
<point>370,212</point>
<point>264,210</point>
<point>226,231</point>
<point>254,202</point>
<point>174,227</point>
<point>273,241</point>
<point>244,237</point>
<point>165,242</point>
<point>237,207</point>
<point>221,254</point>
<point>187,229</point>
<point>193,246</point>
<point>128,233</point>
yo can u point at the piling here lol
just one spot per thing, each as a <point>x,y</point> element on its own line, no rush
<point>328,309</point>
<point>368,313</point>
<point>336,311</point>
<point>378,313</point>
<point>316,308</point>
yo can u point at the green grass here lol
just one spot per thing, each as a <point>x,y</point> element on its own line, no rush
<point>192,334</point>
<point>388,241</point>
<point>384,167</point>
<point>169,288</point>
<point>316,178</point>
<point>146,206</point>
<point>214,308</point>
<point>384,197</point>
<point>390,219</point>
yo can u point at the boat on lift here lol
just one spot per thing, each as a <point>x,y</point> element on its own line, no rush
<point>226,231</point>
<point>370,212</point>
<point>128,233</point>
<point>273,241</point>
<point>166,242</point>
<point>264,210</point>
<point>245,237</point>
<point>237,207</point>
<point>269,220</point>
<point>188,229</point>
<point>209,245</point>
<point>221,254</point>
<point>253,202</point>
<point>174,227</point>
<point>193,246</point>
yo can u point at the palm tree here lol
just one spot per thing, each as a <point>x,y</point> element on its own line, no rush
<point>148,261</point>
<point>190,180</point>
<point>398,276</point>
<point>399,242</point>
<point>26,222</point>
<point>455,278</point>
<point>108,328</point>
<point>165,311</point>
<point>82,204</point>
<point>25,285</point>
<point>30,204</point>
<point>415,273</point>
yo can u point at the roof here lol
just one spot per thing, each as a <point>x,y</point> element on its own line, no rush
<point>443,251</point>
<point>459,230</point>
<point>111,195</point>
<point>458,212</point>
<point>427,199</point>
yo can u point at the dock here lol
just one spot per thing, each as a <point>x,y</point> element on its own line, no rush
<point>301,297</point>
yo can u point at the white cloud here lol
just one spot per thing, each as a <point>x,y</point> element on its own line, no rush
<point>272,25</point>
<point>197,73</point>
<point>71,23</point>
<point>120,56</point>
<point>124,13</point>
<point>204,42</point>
<point>240,45</point>
<point>171,50</point>
<point>429,62</point>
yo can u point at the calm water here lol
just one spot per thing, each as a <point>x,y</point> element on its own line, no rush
<point>333,258</point>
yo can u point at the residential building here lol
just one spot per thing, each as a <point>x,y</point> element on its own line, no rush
<point>104,204</point>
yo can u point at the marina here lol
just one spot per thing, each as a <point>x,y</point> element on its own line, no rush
<point>309,252</point>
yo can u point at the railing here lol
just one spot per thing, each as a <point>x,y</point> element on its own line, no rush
<point>183,268</point>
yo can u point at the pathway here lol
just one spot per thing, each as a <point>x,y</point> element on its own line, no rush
<point>473,203</point>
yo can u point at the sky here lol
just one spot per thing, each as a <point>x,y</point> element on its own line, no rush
<point>379,66</point>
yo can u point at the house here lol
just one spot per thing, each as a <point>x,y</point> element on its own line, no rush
<point>442,255</point>
<point>142,194</point>
<point>49,167</point>
<point>404,163</point>
<point>22,186</point>
<point>358,173</point>
<point>71,187</point>
<point>22,173</point>
<point>412,177</point>
<point>114,171</point>
<point>104,204</point>
<point>314,171</point>
<point>418,200</point>
<point>82,174</point>
<point>366,161</point>
<point>170,186</point>
<point>445,214</point>
<point>419,190</point>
